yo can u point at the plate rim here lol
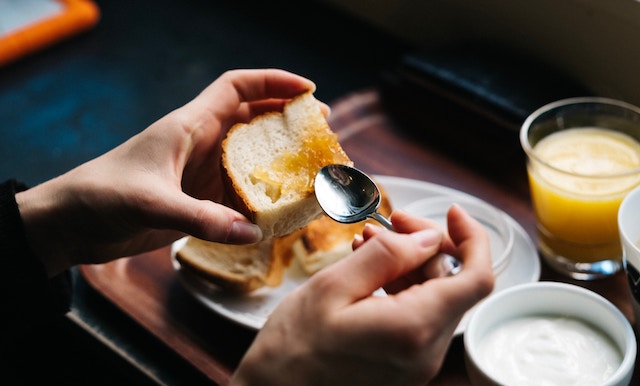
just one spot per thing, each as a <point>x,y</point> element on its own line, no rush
<point>198,288</point>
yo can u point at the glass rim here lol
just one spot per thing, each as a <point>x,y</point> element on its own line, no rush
<point>528,149</point>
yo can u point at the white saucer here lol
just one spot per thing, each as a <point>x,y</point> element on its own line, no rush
<point>252,310</point>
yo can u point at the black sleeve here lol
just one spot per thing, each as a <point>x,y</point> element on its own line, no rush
<point>27,296</point>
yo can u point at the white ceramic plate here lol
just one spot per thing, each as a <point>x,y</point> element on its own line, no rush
<point>252,310</point>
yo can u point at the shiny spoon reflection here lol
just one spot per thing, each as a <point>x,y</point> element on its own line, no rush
<point>347,195</point>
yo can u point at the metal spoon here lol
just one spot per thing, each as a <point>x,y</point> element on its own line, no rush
<point>348,195</point>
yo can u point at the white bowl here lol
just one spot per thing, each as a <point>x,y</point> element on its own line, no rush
<point>629,226</point>
<point>559,301</point>
<point>495,221</point>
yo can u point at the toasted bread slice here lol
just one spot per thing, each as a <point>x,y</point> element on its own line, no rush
<point>271,163</point>
<point>324,241</point>
<point>235,268</point>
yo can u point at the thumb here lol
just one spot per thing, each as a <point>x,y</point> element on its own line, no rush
<point>210,221</point>
<point>382,259</point>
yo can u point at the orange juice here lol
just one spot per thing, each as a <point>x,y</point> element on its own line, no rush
<point>577,184</point>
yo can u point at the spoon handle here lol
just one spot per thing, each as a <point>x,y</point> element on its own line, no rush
<point>382,220</point>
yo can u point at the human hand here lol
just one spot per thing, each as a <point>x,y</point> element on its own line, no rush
<point>161,184</point>
<point>333,331</point>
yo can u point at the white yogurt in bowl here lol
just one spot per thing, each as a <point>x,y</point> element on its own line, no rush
<point>549,334</point>
<point>549,350</point>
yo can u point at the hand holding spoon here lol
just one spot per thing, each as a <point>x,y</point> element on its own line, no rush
<point>348,195</point>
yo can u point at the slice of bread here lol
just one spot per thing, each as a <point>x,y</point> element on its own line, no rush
<point>324,241</point>
<point>271,162</point>
<point>234,268</point>
<point>244,268</point>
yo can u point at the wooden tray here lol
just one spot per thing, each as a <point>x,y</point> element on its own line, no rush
<point>146,287</point>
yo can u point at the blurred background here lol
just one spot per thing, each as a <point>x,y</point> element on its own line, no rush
<point>76,99</point>
<point>590,41</point>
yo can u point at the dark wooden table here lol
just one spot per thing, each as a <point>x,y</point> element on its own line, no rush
<point>147,288</point>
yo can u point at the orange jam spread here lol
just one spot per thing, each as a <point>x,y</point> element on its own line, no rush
<point>297,171</point>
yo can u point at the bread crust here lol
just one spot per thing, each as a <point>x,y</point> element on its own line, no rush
<point>234,268</point>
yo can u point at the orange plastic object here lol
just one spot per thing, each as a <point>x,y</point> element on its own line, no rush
<point>77,16</point>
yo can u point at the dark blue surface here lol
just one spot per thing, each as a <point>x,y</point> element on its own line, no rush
<point>80,98</point>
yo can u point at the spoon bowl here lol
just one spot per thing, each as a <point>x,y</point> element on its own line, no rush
<point>348,195</point>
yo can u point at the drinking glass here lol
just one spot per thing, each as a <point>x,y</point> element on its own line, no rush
<point>583,158</point>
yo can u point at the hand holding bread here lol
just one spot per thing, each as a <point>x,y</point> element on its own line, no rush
<point>158,186</point>
<point>269,167</point>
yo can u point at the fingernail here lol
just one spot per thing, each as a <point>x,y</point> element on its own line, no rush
<point>428,237</point>
<point>244,233</point>
<point>370,227</point>
<point>458,207</point>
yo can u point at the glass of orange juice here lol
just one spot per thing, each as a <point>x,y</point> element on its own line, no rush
<point>583,157</point>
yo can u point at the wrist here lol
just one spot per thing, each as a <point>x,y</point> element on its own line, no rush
<point>43,227</point>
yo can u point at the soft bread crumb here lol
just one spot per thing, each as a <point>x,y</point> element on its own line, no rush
<point>324,241</point>
<point>271,163</point>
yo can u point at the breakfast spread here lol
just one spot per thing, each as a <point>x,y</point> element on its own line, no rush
<point>270,164</point>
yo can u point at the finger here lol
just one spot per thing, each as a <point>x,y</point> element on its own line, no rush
<point>468,236</point>
<point>368,231</point>
<point>371,230</point>
<point>253,85</point>
<point>358,240</point>
<point>206,220</point>
<point>448,297</point>
<point>466,231</point>
<point>249,110</point>
<point>276,83</point>
<point>404,222</point>
<point>472,248</point>
<point>378,261</point>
